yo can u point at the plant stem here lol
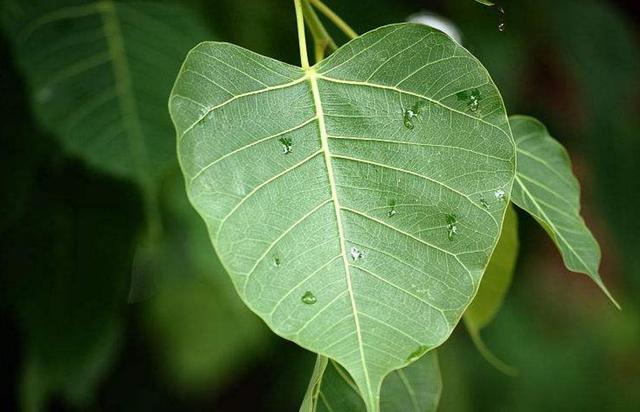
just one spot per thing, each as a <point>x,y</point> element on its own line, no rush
<point>341,24</point>
<point>322,39</point>
<point>302,41</point>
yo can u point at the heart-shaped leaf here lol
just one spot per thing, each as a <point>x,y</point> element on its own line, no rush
<point>547,189</point>
<point>354,204</point>
<point>416,387</point>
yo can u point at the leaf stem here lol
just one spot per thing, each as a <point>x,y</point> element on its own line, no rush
<point>302,41</point>
<point>322,39</point>
<point>335,19</point>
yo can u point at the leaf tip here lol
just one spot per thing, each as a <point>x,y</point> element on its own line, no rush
<point>608,294</point>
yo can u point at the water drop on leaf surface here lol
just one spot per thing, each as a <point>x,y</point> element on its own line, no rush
<point>452,226</point>
<point>287,144</point>
<point>308,298</point>
<point>356,254</point>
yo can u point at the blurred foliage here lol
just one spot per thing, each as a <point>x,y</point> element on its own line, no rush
<point>68,236</point>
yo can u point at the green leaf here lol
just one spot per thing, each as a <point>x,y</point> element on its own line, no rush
<point>416,387</point>
<point>486,2</point>
<point>546,188</point>
<point>65,266</point>
<point>493,288</point>
<point>100,72</point>
<point>200,330</point>
<point>354,205</point>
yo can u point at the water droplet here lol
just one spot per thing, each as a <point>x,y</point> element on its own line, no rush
<point>393,211</point>
<point>417,353</point>
<point>410,114</point>
<point>452,226</point>
<point>407,118</point>
<point>276,261</point>
<point>308,298</point>
<point>499,194</point>
<point>501,24</point>
<point>287,145</point>
<point>472,97</point>
<point>356,254</point>
<point>484,203</point>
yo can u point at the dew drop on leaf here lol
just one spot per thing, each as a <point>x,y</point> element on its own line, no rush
<point>356,254</point>
<point>472,97</point>
<point>276,261</point>
<point>499,194</point>
<point>287,145</point>
<point>392,206</point>
<point>484,203</point>
<point>308,298</point>
<point>407,118</point>
<point>417,353</point>
<point>452,226</point>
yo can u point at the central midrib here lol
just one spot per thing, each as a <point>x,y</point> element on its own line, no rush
<point>122,76</point>
<point>311,75</point>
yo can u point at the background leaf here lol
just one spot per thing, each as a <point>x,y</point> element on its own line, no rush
<point>494,286</point>
<point>197,325</point>
<point>318,199</point>
<point>99,72</point>
<point>546,188</point>
<point>66,274</point>
<point>415,387</point>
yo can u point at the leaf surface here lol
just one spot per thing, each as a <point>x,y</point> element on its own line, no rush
<point>416,387</point>
<point>355,205</point>
<point>546,188</point>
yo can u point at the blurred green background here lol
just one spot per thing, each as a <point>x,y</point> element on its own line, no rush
<point>97,313</point>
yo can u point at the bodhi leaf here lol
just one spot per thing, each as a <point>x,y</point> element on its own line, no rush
<point>100,72</point>
<point>354,204</point>
<point>546,188</point>
<point>493,288</point>
<point>416,387</point>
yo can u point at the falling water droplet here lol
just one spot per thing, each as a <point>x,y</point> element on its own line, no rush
<point>276,261</point>
<point>287,145</point>
<point>501,23</point>
<point>308,298</point>
<point>484,203</point>
<point>499,194</point>
<point>356,254</point>
<point>452,226</point>
<point>393,211</point>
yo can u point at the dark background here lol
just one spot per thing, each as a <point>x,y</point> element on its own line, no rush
<point>69,234</point>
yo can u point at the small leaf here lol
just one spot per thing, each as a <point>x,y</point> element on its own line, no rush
<point>493,288</point>
<point>546,188</point>
<point>416,387</point>
<point>380,125</point>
